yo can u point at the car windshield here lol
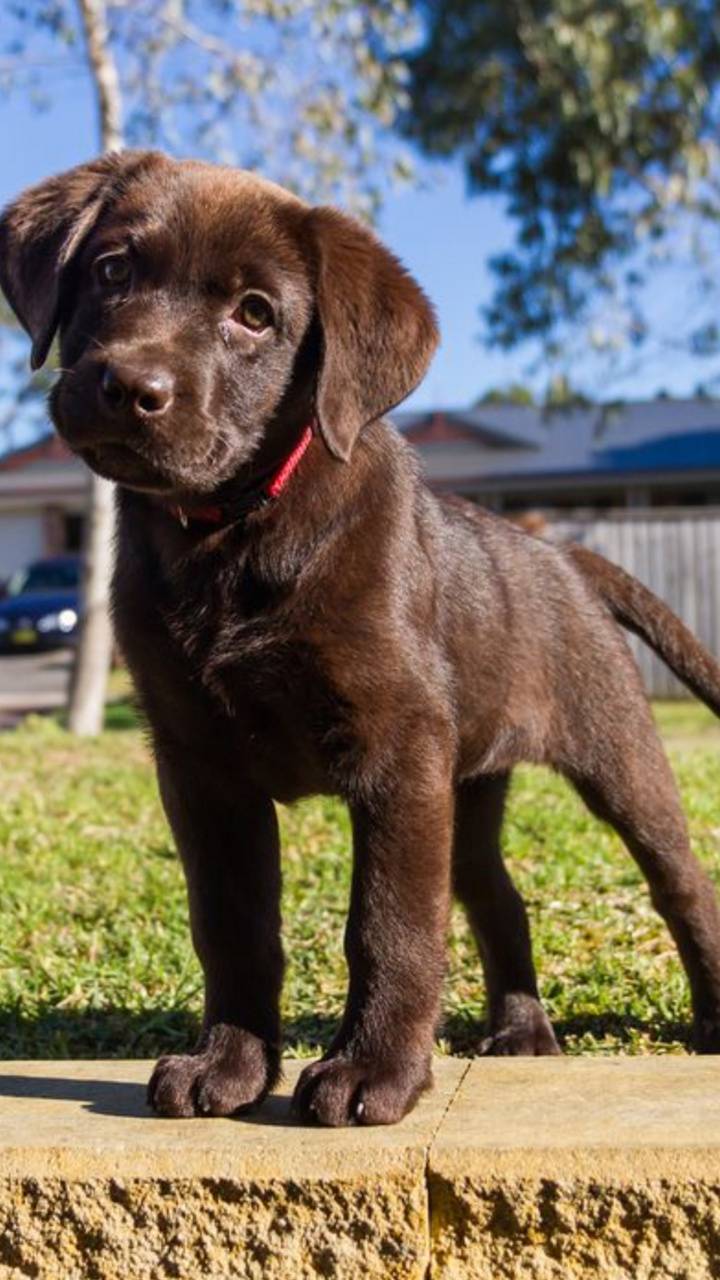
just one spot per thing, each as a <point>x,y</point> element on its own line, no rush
<point>44,577</point>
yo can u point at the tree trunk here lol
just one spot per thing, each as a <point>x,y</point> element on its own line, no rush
<point>88,684</point>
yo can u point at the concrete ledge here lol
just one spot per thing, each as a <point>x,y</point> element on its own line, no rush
<point>538,1168</point>
<point>546,1169</point>
<point>92,1187</point>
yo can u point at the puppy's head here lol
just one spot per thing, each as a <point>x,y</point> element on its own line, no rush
<point>203,315</point>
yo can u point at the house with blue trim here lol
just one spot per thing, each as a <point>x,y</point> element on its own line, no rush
<point>656,453</point>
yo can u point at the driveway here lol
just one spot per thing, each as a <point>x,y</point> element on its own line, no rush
<point>32,682</point>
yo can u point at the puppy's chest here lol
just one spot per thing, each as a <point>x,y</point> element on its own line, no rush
<point>257,657</point>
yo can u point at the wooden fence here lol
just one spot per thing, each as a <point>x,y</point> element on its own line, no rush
<point>675,552</point>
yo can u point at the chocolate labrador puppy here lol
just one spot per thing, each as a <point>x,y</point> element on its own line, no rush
<point>301,615</point>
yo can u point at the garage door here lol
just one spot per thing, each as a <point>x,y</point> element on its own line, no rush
<point>21,540</point>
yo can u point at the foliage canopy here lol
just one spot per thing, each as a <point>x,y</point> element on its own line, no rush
<point>598,123</point>
<point>305,90</point>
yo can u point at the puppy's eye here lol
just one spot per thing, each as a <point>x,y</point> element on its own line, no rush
<point>113,271</point>
<point>255,313</point>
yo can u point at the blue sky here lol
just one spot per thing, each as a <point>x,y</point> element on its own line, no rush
<point>444,238</point>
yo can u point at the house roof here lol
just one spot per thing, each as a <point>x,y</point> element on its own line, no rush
<point>496,442</point>
<point>442,426</point>
<point>499,441</point>
<point>48,449</point>
<point>44,473</point>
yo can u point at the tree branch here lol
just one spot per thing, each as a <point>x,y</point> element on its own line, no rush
<point>109,99</point>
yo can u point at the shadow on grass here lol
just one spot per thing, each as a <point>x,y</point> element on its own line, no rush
<point>463,1034</point>
<point>96,1033</point>
<point>122,713</point>
<point>149,1033</point>
<point>125,1033</point>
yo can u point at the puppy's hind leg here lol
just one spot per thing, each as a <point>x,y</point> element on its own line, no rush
<point>517,1022</point>
<point>629,784</point>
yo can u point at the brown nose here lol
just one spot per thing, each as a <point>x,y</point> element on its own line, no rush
<point>146,393</point>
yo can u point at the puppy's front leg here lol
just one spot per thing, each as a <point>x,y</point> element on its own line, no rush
<point>380,1060</point>
<point>228,840</point>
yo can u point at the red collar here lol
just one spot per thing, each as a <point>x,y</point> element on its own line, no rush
<point>231,512</point>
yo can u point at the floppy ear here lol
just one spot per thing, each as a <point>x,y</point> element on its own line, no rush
<point>378,329</point>
<point>41,231</point>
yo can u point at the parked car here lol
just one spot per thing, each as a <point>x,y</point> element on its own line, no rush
<point>40,610</point>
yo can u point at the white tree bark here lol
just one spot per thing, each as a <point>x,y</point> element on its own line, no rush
<point>88,684</point>
<point>104,72</point>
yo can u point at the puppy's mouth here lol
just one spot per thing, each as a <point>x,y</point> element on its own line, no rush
<point>122,464</point>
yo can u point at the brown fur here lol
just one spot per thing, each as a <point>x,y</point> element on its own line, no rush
<point>358,637</point>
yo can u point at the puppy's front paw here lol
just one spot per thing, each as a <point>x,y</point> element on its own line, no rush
<point>342,1091</point>
<point>231,1073</point>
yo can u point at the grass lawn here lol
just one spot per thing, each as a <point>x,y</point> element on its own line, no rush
<point>95,957</point>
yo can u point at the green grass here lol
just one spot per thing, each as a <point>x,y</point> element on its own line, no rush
<point>95,957</point>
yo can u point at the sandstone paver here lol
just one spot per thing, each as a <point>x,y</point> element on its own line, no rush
<point>579,1167</point>
<point>92,1187</point>
<point>526,1169</point>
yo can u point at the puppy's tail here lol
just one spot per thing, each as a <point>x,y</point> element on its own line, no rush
<point>639,611</point>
